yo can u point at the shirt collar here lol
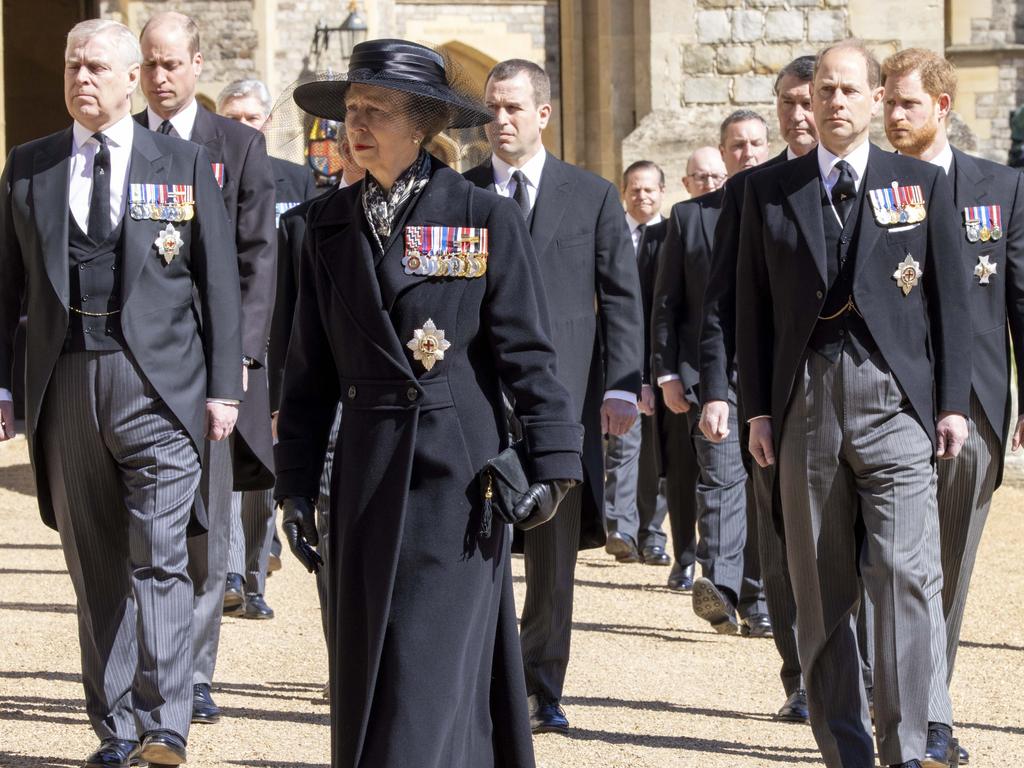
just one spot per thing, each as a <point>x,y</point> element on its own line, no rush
<point>118,135</point>
<point>790,154</point>
<point>857,159</point>
<point>944,159</point>
<point>633,223</point>
<point>183,122</point>
<point>532,169</point>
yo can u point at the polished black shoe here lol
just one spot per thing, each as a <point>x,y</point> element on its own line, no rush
<point>256,607</point>
<point>162,748</point>
<point>965,756</point>
<point>203,708</point>
<point>795,708</point>
<point>546,716</point>
<point>234,596</point>
<point>714,607</point>
<point>656,556</point>
<point>941,748</point>
<point>681,579</point>
<point>622,547</point>
<point>113,753</point>
<point>756,625</point>
<point>908,764</point>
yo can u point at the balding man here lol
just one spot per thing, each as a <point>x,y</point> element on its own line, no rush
<point>855,371</point>
<point>705,171</point>
<point>115,239</point>
<point>172,63</point>
<point>731,578</point>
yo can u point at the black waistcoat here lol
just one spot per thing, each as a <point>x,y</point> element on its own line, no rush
<point>94,286</point>
<point>829,336</point>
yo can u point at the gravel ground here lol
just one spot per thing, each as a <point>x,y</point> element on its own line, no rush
<point>648,685</point>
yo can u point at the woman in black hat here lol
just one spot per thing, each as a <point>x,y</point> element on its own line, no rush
<point>419,300</point>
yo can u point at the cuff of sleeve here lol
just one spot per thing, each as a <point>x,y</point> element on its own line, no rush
<point>552,437</point>
<point>223,401</point>
<point>668,377</point>
<point>756,418</point>
<point>563,465</point>
<point>620,394</point>
<point>6,394</point>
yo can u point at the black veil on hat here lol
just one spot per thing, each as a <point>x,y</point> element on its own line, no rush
<point>441,95</point>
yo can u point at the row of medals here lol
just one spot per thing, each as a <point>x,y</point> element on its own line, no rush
<point>976,232</point>
<point>157,212</point>
<point>910,214</point>
<point>449,265</point>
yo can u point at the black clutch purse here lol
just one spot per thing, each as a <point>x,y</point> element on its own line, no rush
<point>503,483</point>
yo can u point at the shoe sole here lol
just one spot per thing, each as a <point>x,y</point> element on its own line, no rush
<point>161,755</point>
<point>929,763</point>
<point>708,604</point>
<point>258,616</point>
<point>622,551</point>
<point>657,563</point>
<point>795,719</point>
<point>563,729</point>
<point>131,761</point>
<point>205,719</point>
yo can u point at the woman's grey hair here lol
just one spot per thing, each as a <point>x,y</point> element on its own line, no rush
<point>125,41</point>
<point>241,89</point>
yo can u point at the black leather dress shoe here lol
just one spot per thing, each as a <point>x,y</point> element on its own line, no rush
<point>256,607</point>
<point>203,708</point>
<point>941,747</point>
<point>162,748</point>
<point>681,579</point>
<point>622,547</point>
<point>546,716</point>
<point>714,607</point>
<point>756,625</point>
<point>908,764</point>
<point>234,595</point>
<point>113,753</point>
<point>795,708</point>
<point>656,556</point>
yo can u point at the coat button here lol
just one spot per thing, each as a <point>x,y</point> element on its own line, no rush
<point>819,294</point>
<point>412,394</point>
<point>352,392</point>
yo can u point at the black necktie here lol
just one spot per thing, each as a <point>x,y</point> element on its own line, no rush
<point>641,230</point>
<point>166,128</point>
<point>844,193</point>
<point>99,202</point>
<point>521,196</point>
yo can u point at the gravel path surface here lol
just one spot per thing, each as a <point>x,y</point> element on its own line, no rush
<point>649,685</point>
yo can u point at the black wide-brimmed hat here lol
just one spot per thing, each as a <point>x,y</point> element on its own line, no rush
<point>398,65</point>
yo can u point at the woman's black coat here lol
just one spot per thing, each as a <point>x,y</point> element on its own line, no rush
<point>426,665</point>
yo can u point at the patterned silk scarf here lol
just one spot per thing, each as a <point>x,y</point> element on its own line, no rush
<point>382,208</point>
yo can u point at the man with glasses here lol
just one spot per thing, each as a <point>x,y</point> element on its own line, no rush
<point>705,171</point>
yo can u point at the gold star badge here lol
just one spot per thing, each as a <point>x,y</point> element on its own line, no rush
<point>984,269</point>
<point>907,274</point>
<point>168,243</point>
<point>428,344</point>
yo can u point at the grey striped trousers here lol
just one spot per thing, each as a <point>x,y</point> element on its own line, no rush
<point>252,531</point>
<point>850,443</point>
<point>123,498</point>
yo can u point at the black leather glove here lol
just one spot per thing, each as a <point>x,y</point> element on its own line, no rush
<point>540,502</point>
<point>299,526</point>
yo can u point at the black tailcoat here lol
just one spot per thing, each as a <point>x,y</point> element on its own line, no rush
<point>924,336</point>
<point>718,326</point>
<point>422,611</point>
<point>248,194</point>
<point>997,309</point>
<point>683,266</point>
<point>586,259</point>
<point>160,318</point>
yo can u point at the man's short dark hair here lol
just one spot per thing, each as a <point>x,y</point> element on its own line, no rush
<point>740,116</point>
<point>506,70</point>
<point>643,165</point>
<point>874,68</point>
<point>802,68</point>
<point>183,22</point>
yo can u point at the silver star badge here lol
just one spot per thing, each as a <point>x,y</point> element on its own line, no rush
<point>907,274</point>
<point>984,269</point>
<point>428,344</point>
<point>169,243</point>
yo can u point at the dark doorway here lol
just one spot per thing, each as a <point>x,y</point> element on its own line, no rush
<point>34,37</point>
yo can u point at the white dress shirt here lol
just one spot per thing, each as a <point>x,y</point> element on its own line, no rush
<point>533,169</point>
<point>634,229</point>
<point>182,123</point>
<point>944,159</point>
<point>857,160</point>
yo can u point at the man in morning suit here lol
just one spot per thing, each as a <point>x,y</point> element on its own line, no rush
<point>646,470</point>
<point>727,546</point>
<point>252,518</point>
<point>589,272</point>
<point>171,65</point>
<point>717,372</point>
<point>919,90</point>
<point>843,287</point>
<point>122,387</point>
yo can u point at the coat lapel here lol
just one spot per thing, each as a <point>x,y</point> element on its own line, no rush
<point>803,193</point>
<point>345,252</point>
<point>147,166</point>
<point>709,209</point>
<point>969,182</point>
<point>552,199</point>
<point>50,202</point>
<point>877,175</point>
<point>205,132</point>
